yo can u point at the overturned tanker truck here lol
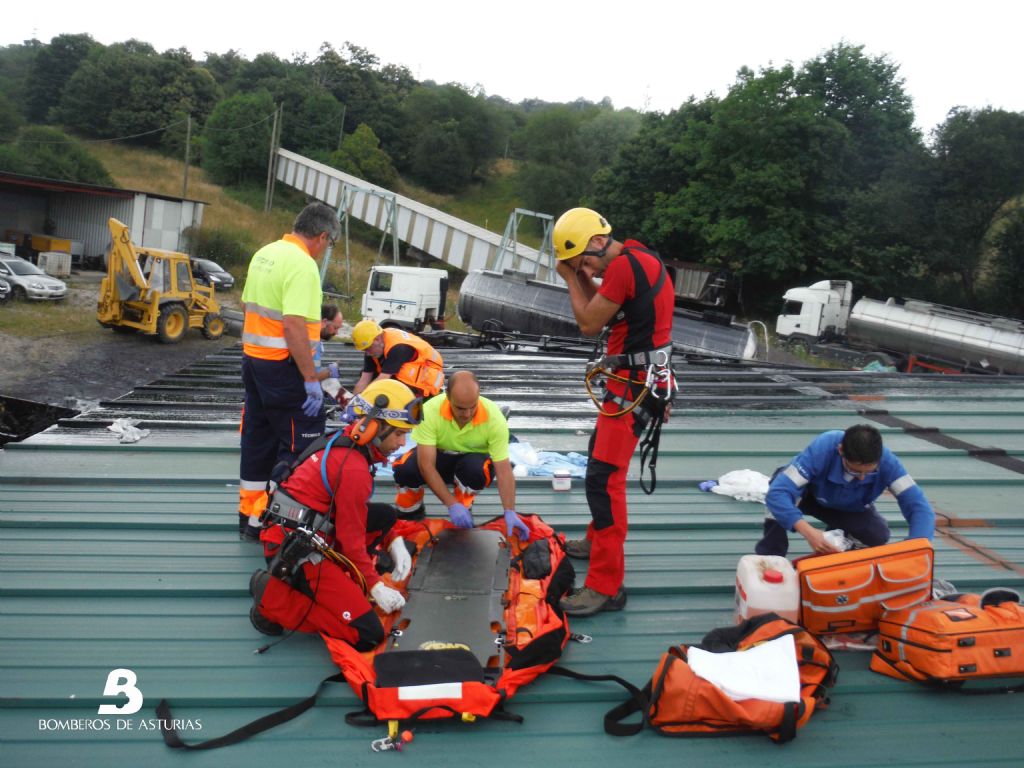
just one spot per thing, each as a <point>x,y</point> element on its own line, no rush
<point>512,301</point>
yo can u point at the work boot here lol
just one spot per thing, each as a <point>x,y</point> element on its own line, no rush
<point>258,583</point>
<point>264,625</point>
<point>246,530</point>
<point>587,602</point>
<point>578,549</point>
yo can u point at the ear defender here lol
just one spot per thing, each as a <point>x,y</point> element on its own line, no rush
<point>364,431</point>
<point>368,427</point>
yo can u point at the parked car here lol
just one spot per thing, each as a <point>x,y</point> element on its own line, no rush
<point>30,282</point>
<point>5,290</point>
<point>209,272</point>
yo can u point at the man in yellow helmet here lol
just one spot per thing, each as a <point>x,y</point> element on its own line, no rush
<point>325,496</point>
<point>394,353</point>
<point>635,302</point>
<point>283,409</point>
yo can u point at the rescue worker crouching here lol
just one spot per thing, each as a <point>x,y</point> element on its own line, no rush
<point>837,479</point>
<point>392,353</point>
<point>334,481</point>
<point>463,442</point>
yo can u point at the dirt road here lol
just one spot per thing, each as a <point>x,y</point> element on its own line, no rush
<point>92,363</point>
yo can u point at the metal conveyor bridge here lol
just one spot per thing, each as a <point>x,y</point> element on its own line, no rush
<point>465,246</point>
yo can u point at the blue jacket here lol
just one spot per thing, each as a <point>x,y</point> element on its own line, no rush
<point>819,471</point>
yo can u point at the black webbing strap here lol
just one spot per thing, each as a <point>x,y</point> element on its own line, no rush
<point>787,728</point>
<point>649,448</point>
<point>995,456</point>
<point>265,723</point>
<point>637,701</point>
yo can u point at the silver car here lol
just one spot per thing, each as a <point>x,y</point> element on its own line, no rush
<point>5,290</point>
<point>30,282</point>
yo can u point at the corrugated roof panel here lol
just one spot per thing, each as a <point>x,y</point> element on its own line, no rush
<point>125,556</point>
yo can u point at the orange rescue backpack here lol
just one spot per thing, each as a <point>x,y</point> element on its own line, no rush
<point>676,702</point>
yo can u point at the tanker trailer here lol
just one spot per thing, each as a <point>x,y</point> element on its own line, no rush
<point>920,334</point>
<point>909,334</point>
<point>513,301</point>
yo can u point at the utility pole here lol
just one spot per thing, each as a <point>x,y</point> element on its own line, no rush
<point>188,147</point>
<point>269,196</point>
<point>341,133</point>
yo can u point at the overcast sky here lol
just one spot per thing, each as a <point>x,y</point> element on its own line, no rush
<point>646,54</point>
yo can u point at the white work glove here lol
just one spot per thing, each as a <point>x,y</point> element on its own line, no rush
<point>390,600</point>
<point>403,562</point>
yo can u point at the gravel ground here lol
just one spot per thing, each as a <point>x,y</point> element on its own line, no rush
<point>96,364</point>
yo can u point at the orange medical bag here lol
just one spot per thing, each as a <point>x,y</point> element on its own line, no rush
<point>849,591</point>
<point>959,638</point>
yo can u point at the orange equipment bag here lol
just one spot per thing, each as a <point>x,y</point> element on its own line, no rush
<point>849,591</point>
<point>676,702</point>
<point>947,642</point>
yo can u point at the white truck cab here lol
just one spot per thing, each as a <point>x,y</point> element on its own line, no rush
<point>819,311</point>
<point>412,298</point>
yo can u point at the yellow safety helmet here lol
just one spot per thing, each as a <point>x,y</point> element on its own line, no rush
<point>574,229</point>
<point>364,333</point>
<point>389,400</point>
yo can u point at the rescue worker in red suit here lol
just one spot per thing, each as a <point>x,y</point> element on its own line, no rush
<point>322,595</point>
<point>635,301</point>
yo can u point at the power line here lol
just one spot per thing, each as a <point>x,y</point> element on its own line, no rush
<point>148,133</point>
<point>100,141</point>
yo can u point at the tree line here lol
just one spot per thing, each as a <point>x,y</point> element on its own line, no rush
<point>796,173</point>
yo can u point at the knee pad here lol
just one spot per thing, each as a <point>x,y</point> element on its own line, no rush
<point>370,630</point>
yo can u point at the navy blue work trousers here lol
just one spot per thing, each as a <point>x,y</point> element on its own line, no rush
<point>274,428</point>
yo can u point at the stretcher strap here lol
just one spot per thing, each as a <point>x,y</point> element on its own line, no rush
<point>265,723</point>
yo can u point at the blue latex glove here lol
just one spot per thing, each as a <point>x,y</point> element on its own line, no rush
<point>314,398</point>
<point>514,523</point>
<point>332,371</point>
<point>460,515</point>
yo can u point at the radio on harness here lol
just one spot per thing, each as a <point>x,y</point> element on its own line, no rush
<point>284,510</point>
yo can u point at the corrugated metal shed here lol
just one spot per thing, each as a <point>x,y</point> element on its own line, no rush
<point>125,556</point>
<point>80,212</point>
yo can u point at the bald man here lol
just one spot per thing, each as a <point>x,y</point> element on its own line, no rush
<point>462,441</point>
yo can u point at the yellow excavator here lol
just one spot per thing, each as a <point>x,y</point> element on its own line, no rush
<point>153,291</point>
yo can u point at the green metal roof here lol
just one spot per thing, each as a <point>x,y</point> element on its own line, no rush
<point>125,556</point>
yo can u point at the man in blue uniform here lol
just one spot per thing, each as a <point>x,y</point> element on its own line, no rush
<point>836,480</point>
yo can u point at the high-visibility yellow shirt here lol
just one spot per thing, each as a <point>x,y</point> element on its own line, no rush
<point>282,280</point>
<point>486,433</point>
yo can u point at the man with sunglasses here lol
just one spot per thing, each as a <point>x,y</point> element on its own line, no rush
<point>837,479</point>
<point>333,478</point>
<point>283,410</point>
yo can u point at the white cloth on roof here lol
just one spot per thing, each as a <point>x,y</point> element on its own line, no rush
<point>126,430</point>
<point>743,485</point>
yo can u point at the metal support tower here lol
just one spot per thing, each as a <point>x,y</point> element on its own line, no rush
<point>508,250</point>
